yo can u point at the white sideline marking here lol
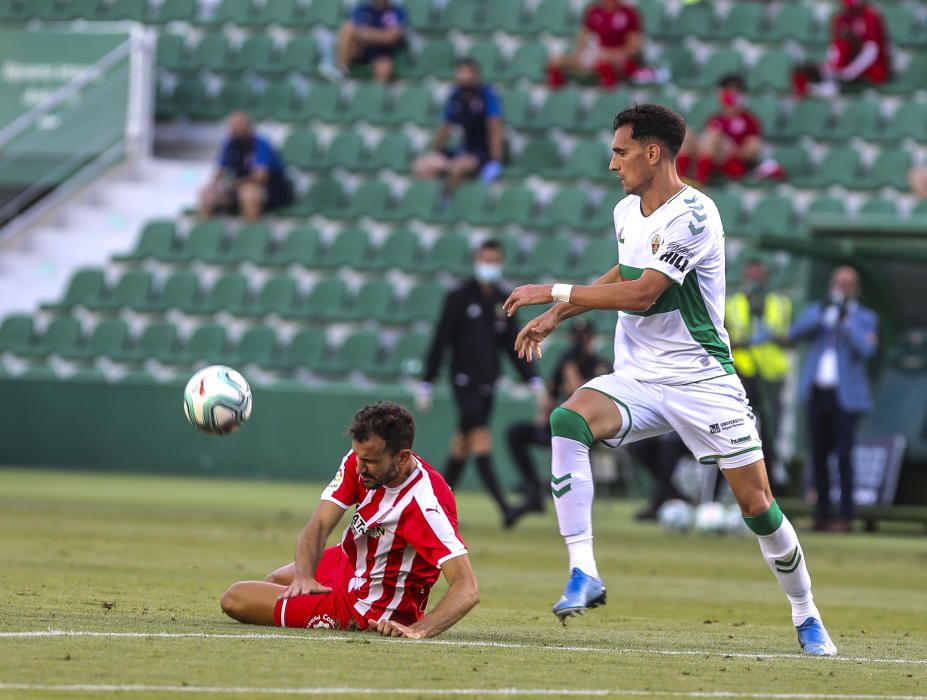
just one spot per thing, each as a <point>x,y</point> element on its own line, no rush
<point>458,643</point>
<point>611,692</point>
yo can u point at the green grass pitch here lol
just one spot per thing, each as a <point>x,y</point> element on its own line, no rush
<point>140,562</point>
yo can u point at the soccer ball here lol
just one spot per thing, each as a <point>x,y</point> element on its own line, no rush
<point>675,515</point>
<point>217,400</point>
<point>711,519</point>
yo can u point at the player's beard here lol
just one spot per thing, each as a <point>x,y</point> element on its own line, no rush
<point>391,473</point>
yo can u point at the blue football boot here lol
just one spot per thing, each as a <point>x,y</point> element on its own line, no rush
<point>814,639</point>
<point>582,591</point>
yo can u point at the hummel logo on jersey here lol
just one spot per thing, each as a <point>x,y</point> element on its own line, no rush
<point>359,527</point>
<point>675,259</point>
<point>740,440</point>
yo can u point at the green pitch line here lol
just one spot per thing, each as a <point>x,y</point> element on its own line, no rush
<point>115,554</point>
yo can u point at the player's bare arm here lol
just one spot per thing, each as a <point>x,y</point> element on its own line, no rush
<point>462,595</point>
<point>309,550</point>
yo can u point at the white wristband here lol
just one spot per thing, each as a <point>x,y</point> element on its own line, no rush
<point>561,292</point>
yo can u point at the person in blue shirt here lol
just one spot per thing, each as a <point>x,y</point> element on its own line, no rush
<point>250,177</point>
<point>374,34</point>
<point>475,108</point>
<point>843,335</point>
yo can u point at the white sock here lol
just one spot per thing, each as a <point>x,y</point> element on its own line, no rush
<point>572,488</point>
<point>786,559</point>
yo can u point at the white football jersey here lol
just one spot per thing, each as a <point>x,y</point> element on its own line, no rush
<point>681,339</point>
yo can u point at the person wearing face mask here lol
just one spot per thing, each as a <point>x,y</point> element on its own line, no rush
<point>731,141</point>
<point>843,335</point>
<point>251,177</point>
<point>858,52</point>
<point>476,328</point>
<point>762,367</point>
<point>475,108</point>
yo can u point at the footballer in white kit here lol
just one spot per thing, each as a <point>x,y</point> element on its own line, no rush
<point>673,365</point>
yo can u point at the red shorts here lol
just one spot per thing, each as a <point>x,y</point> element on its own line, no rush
<point>322,610</point>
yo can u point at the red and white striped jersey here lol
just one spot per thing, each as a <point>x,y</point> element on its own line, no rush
<point>396,541</point>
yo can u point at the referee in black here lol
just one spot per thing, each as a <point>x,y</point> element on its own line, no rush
<point>477,329</point>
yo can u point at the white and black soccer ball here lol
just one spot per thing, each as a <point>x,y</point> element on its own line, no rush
<point>217,400</point>
<point>711,518</point>
<point>675,516</point>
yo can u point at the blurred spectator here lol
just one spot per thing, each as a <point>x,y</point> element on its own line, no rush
<point>731,141</point>
<point>374,34</point>
<point>858,52</point>
<point>659,455</point>
<point>609,43</point>
<point>575,367</point>
<point>475,108</point>
<point>834,386</point>
<point>251,178</point>
<point>477,329</point>
<point>753,311</point>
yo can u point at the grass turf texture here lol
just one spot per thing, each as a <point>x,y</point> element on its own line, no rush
<point>116,553</point>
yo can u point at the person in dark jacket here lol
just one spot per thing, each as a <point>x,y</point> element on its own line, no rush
<point>477,329</point>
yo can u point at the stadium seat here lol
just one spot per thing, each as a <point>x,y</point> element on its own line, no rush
<point>155,241</point>
<point>413,105</point>
<point>300,55</point>
<point>467,204</point>
<point>794,160</point>
<point>421,15</point>
<point>590,160</point>
<point>326,12</point>
<point>680,62</point>
<point>326,300</point>
<point>133,290</point>
<point>601,220</point>
<point>15,333</point>
<point>505,17</point>
<point>346,151</point>
<point>172,11</point>
<point>449,253</point>
<point>247,245</point>
<point>255,347</point>
<point>729,207</point>
<point>890,169</point>
<point>437,58</point>
<point>773,214</point>
<point>179,292</point>
<point>392,152</point>
<point>419,201</point>
<point>422,303</point>
<point>85,289</point>
<point>62,333</point>
<point>529,61</point>
<point>517,108</point>
<point>211,53</point>
<point>300,247</point>
<point>487,54</point>
<point>700,111</point>
<point>540,156</point>
<point>108,339</point>
<point>366,105</point>
<point>879,206</point>
<point>370,199</point>
<point>399,251</point>
<point>841,165</point>
<point>811,117</point>
<point>514,205</point>
<point>157,341</point>
<point>277,296</point>
<point>201,243</point>
<point>349,247</point>
<point>358,351</point>
<point>228,292</point>
<point>720,63</point>
<point>908,121</point>
<point>322,102</point>
<point>305,349</point>
<point>859,119</point>
<point>171,52</point>
<point>206,344</point>
<point>743,21</point>
<point>601,114</point>
<point>300,149</point>
<point>560,110</point>
<point>772,72</point>
<point>904,27</point>
<point>599,255</point>
<point>324,195</point>
<point>117,11</point>
<point>696,20</point>
<point>374,301</point>
<point>766,108</point>
<point>459,15</point>
<point>910,78</point>
<point>406,359</point>
<point>45,10</point>
<point>795,21</point>
<point>552,17</point>
<point>242,13</point>
<point>566,208</point>
<point>550,256</point>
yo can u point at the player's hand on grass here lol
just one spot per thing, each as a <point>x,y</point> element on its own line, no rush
<point>388,628</point>
<point>528,295</point>
<point>528,342</point>
<point>303,586</point>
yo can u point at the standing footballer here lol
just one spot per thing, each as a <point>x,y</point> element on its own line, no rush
<point>673,366</point>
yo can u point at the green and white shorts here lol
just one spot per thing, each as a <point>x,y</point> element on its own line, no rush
<point>713,417</point>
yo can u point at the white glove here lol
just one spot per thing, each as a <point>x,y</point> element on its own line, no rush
<point>423,396</point>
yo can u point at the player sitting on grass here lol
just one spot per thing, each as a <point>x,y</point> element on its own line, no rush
<point>673,366</point>
<point>401,535</point>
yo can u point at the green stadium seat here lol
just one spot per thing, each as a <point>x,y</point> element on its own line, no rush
<point>326,300</point>
<point>766,109</point>
<point>794,21</point>
<point>743,21</point>
<point>449,253</point>
<point>346,151</point>
<point>399,251</point>
<point>201,243</point>
<point>560,110</point>
<point>880,207</point>
<point>322,103</point>
<point>841,165</point>
<point>85,289</point>
<point>157,342</point>
<point>529,61</point>
<point>256,346</point>
<point>61,334</point>
<point>358,351</point>
<point>909,121</point>
<point>206,344</point>
<point>375,300</point>
<point>184,99</point>
<point>772,72</point>
<point>468,203</point>
<point>300,247</point>
<point>228,292</point>
<point>489,57</point>
<point>280,12</point>
<point>422,303</point>
<point>437,58</point>
<point>247,245</point>
<point>243,13</point>
<point>405,359</point>
<point>350,247</point>
<point>233,95</point>
<point>15,333</point>
<point>699,113</point>
<point>120,11</point>
<point>413,105</point>
<point>890,169</point>
<point>601,220</point>
<point>680,62</point>
<point>45,10</point>
<point>860,118</point>
<point>910,78</point>
<point>305,349</point>
<point>300,55</point>
<point>211,53</point>
<point>696,20</point>
<point>515,205</point>
<point>173,11</point>
<point>392,152</point>
<point>773,214</point>
<point>904,27</point>
<point>552,17</point>
<point>171,52</point>
<point>720,63</point>
<point>599,255</point>
<point>324,195</point>
<point>421,15</point>
<point>41,373</point>
<point>179,292</point>
<point>460,15</point>
<point>133,290</point>
<point>300,149</point>
<point>550,256</point>
<point>277,296</point>
<point>419,201</point>
<point>794,160</point>
<point>326,12</point>
<point>540,156</point>
<point>108,339</point>
<point>729,207</point>
<point>278,101</point>
<point>811,117</point>
<point>566,208</point>
<point>601,114</point>
<point>508,17</point>
<point>828,205</point>
<point>370,199</point>
<point>255,53</point>
<point>517,109</point>
<point>155,241</point>
<point>589,159</point>
<point>366,105</point>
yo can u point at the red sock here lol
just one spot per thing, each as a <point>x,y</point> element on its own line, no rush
<point>703,167</point>
<point>734,168</point>
<point>607,75</point>
<point>555,77</point>
<point>682,164</point>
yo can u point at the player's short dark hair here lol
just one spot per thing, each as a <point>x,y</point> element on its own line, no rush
<point>733,81</point>
<point>654,123</point>
<point>490,244</point>
<point>386,420</point>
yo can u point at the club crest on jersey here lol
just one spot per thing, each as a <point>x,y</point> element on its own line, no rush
<point>359,527</point>
<point>655,243</point>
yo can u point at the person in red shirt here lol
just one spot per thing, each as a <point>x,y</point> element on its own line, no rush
<point>731,141</point>
<point>609,43</point>
<point>401,536</point>
<point>858,52</point>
